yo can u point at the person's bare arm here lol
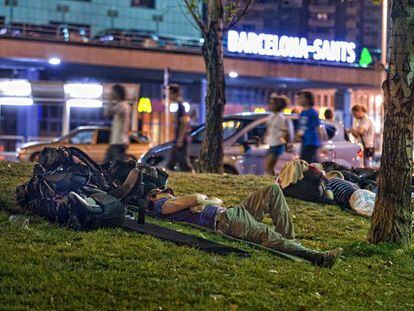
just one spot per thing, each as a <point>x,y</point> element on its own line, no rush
<point>358,131</point>
<point>175,205</point>
<point>112,109</point>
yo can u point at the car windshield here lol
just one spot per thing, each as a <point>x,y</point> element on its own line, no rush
<point>332,132</point>
<point>230,127</point>
<point>82,137</point>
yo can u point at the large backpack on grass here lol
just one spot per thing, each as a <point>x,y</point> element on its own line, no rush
<point>150,178</point>
<point>68,187</point>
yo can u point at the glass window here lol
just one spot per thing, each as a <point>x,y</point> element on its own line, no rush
<point>50,120</point>
<point>103,137</point>
<point>254,136</point>
<point>230,127</point>
<point>150,4</point>
<point>258,132</point>
<point>330,130</point>
<point>82,137</point>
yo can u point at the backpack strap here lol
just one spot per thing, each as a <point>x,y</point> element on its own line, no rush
<point>101,177</point>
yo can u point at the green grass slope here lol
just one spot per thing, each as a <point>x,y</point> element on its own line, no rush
<point>43,266</point>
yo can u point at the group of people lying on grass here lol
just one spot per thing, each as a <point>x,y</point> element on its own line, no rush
<point>297,179</point>
<point>68,187</point>
<point>351,189</point>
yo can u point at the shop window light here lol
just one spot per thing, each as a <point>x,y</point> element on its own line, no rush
<point>15,88</point>
<point>187,106</point>
<point>84,103</point>
<point>83,90</point>
<point>16,101</point>
<point>173,107</point>
<point>144,105</point>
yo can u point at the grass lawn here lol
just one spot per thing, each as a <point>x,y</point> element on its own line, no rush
<point>46,267</point>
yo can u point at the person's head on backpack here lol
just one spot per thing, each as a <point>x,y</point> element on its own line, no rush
<point>278,103</point>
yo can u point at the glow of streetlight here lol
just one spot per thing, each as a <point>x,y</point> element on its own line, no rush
<point>233,74</point>
<point>54,61</point>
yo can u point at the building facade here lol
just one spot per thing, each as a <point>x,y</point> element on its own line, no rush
<point>91,17</point>
<point>356,21</point>
<point>52,43</point>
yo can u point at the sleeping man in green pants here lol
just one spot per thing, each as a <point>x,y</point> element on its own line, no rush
<point>243,221</point>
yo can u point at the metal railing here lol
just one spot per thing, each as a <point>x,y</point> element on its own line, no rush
<point>112,37</point>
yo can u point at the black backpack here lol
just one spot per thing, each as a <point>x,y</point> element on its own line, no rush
<point>68,187</point>
<point>151,177</point>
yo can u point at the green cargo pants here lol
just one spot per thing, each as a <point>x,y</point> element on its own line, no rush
<point>244,222</point>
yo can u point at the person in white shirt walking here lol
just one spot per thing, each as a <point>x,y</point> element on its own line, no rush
<point>120,109</point>
<point>363,130</point>
<point>277,131</point>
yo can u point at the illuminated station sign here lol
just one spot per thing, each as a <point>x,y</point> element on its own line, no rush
<point>291,47</point>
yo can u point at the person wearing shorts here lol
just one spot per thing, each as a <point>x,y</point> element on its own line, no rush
<point>276,132</point>
<point>363,130</point>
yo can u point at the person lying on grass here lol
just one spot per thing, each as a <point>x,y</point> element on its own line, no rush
<point>350,196</point>
<point>243,221</point>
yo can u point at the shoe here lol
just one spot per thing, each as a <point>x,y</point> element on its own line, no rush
<point>327,259</point>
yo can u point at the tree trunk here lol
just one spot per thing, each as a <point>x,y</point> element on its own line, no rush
<point>211,154</point>
<point>391,220</point>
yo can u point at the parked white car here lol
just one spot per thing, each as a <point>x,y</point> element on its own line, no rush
<point>244,149</point>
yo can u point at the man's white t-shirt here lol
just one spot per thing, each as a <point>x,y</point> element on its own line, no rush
<point>368,125</point>
<point>120,124</point>
<point>276,132</point>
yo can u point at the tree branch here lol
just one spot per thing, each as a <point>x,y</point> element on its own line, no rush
<point>196,16</point>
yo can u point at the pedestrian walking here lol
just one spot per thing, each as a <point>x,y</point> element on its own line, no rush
<point>363,131</point>
<point>276,131</point>
<point>179,153</point>
<point>309,127</point>
<point>120,110</point>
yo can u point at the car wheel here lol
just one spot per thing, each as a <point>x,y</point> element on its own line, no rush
<point>35,157</point>
<point>229,170</point>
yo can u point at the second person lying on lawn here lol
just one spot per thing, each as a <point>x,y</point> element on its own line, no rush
<point>243,221</point>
